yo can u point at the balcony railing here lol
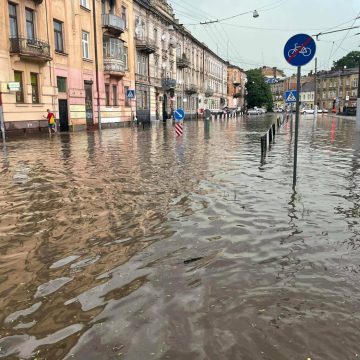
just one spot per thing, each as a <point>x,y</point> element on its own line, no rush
<point>209,92</point>
<point>32,49</point>
<point>182,62</point>
<point>236,82</point>
<point>145,44</point>
<point>239,94</point>
<point>114,67</point>
<point>191,89</point>
<point>142,78</point>
<point>113,23</point>
<point>168,83</point>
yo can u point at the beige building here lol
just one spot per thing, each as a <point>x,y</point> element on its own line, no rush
<point>173,68</point>
<point>69,56</point>
<point>337,89</point>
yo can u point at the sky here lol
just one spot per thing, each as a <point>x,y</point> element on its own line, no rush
<point>252,42</point>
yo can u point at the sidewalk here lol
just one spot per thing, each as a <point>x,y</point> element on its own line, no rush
<point>339,116</point>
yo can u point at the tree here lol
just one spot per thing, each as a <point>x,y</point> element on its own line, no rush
<point>351,60</point>
<point>258,92</point>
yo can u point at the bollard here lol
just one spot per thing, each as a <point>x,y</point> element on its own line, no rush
<point>270,136</point>
<point>274,130</point>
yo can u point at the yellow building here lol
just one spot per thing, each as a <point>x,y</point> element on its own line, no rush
<point>69,56</point>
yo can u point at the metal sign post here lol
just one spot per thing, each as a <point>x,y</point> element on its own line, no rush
<point>298,51</point>
<point>130,94</point>
<point>2,124</point>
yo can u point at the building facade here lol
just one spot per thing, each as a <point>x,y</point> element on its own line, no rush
<point>307,95</point>
<point>81,58</point>
<point>71,57</point>
<point>173,68</point>
<point>337,89</point>
<point>236,81</point>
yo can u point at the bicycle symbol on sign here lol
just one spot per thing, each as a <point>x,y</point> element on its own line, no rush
<point>305,51</point>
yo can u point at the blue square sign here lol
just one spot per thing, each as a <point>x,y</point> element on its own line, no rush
<point>130,94</point>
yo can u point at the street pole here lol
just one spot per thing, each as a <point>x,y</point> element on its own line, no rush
<point>358,101</point>
<point>296,126</point>
<point>315,90</point>
<point>2,124</point>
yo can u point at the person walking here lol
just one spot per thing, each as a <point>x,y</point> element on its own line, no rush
<point>51,121</point>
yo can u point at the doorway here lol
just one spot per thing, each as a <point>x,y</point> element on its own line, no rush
<point>165,114</point>
<point>89,103</point>
<point>63,115</point>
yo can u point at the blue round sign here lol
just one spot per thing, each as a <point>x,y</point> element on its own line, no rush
<point>179,114</point>
<point>300,50</point>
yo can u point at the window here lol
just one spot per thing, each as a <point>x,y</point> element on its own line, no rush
<point>124,15</point>
<point>115,95</point>
<point>34,88</point>
<point>142,64</point>
<point>127,100</point>
<point>20,93</point>
<point>145,104</point>
<point>113,48</point>
<point>58,36</point>
<point>13,21</point>
<point>84,3</point>
<point>61,84</point>
<point>30,26</point>
<point>107,94</point>
<point>126,61</point>
<point>85,45</point>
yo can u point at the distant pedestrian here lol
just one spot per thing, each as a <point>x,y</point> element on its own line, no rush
<point>51,121</point>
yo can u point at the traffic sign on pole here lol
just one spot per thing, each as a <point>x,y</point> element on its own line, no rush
<point>290,96</point>
<point>179,114</point>
<point>130,94</point>
<point>299,50</point>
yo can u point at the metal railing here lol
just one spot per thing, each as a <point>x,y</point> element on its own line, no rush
<point>113,21</point>
<point>146,44</point>
<point>191,89</point>
<point>209,92</point>
<point>182,62</point>
<point>30,47</point>
<point>114,66</point>
<point>168,83</point>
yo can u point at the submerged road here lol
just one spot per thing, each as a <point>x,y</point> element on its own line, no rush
<point>140,245</point>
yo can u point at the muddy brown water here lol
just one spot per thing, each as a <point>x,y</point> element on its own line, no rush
<point>137,245</point>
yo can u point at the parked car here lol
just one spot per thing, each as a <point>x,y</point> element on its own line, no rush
<point>307,111</point>
<point>261,110</point>
<point>253,112</point>
<point>320,111</point>
<point>325,111</point>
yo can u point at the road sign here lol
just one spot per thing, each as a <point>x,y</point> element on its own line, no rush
<point>207,114</point>
<point>130,94</point>
<point>299,50</point>
<point>13,86</point>
<point>290,96</point>
<point>179,114</point>
<point>178,129</point>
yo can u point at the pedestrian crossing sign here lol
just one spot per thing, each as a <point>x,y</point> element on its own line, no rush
<point>130,94</point>
<point>290,96</point>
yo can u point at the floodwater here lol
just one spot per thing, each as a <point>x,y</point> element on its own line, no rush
<point>139,245</point>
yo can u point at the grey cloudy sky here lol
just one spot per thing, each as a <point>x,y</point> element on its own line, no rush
<point>251,42</point>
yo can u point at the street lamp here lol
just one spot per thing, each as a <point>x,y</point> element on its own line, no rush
<point>255,14</point>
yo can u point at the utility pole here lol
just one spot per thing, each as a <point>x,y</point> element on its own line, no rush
<point>315,90</point>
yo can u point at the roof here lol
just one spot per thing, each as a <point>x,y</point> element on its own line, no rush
<point>337,72</point>
<point>308,86</point>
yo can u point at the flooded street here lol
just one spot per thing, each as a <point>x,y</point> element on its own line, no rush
<point>139,245</point>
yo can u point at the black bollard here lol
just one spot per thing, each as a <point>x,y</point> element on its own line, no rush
<point>274,130</point>
<point>270,136</point>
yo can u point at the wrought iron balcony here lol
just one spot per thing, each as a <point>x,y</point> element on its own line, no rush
<point>168,83</point>
<point>237,82</point>
<point>32,49</point>
<point>191,89</point>
<point>145,44</point>
<point>141,78</point>
<point>113,23</point>
<point>182,62</point>
<point>114,67</point>
<point>209,92</point>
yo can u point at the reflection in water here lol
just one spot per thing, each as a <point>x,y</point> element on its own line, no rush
<point>137,244</point>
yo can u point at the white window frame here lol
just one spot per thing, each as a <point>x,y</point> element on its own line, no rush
<point>85,44</point>
<point>84,3</point>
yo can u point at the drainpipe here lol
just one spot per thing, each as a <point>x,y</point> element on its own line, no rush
<point>96,66</point>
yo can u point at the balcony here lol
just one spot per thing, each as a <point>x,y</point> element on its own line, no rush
<point>114,67</point>
<point>182,62</point>
<point>168,84</point>
<point>30,49</point>
<point>145,44</point>
<point>113,24</point>
<point>209,92</point>
<point>191,89</point>
<point>141,78</point>
<point>236,82</point>
<point>238,95</point>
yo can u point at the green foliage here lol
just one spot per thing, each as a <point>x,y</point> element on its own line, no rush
<point>351,60</point>
<point>258,92</point>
